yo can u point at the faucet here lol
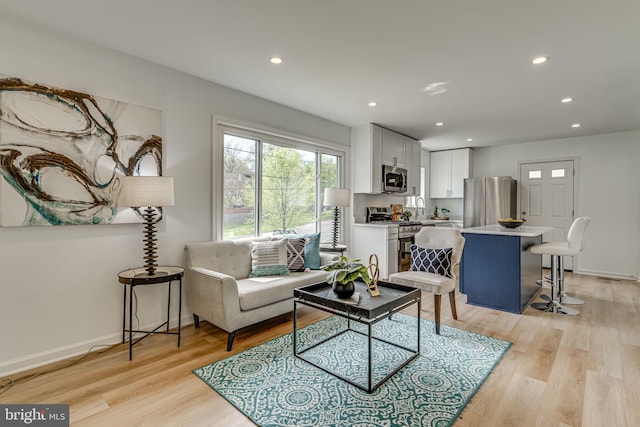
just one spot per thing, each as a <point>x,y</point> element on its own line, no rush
<point>418,199</point>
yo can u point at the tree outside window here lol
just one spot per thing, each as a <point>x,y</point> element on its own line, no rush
<point>290,182</point>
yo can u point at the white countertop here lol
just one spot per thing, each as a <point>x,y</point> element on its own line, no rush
<point>379,225</point>
<point>439,221</point>
<point>522,231</point>
<point>396,224</point>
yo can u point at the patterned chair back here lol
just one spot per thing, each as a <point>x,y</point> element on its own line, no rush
<point>442,237</point>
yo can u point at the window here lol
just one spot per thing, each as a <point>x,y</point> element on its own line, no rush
<point>535,174</point>
<point>557,173</point>
<point>275,186</point>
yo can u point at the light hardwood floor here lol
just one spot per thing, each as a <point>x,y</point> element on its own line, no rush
<point>561,370</point>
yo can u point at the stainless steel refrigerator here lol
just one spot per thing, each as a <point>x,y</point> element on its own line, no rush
<point>487,199</point>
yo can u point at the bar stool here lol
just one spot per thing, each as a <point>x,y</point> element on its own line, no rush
<point>557,251</point>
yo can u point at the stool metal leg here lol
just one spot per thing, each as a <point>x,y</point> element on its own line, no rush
<point>564,298</point>
<point>554,305</point>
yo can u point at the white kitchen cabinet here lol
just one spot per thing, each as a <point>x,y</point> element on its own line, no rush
<point>448,171</point>
<point>380,240</point>
<point>366,159</point>
<point>393,148</point>
<point>373,146</point>
<point>413,157</point>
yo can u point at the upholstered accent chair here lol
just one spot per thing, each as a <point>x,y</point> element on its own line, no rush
<point>435,260</point>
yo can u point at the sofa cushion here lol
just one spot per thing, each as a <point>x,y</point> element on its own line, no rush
<point>269,258</point>
<point>295,253</point>
<point>255,292</point>
<point>311,250</point>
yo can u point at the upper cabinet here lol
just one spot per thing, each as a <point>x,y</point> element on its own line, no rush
<point>373,146</point>
<point>393,148</point>
<point>448,171</point>
<point>413,157</point>
<point>366,158</point>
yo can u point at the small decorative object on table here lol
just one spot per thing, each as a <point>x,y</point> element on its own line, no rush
<point>342,273</point>
<point>374,273</point>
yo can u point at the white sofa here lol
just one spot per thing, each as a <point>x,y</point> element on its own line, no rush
<point>218,287</point>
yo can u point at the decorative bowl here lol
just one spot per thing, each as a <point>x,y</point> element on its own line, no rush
<point>511,223</point>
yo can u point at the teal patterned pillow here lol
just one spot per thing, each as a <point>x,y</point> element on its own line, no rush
<point>311,250</point>
<point>269,258</point>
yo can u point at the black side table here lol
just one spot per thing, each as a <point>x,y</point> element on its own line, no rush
<point>139,277</point>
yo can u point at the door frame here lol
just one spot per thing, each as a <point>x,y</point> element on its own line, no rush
<point>576,186</point>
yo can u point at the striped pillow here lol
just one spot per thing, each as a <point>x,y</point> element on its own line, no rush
<point>269,258</point>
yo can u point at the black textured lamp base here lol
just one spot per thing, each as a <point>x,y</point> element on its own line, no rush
<point>150,247</point>
<point>336,226</point>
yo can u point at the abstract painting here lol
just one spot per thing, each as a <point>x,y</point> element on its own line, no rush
<point>62,152</point>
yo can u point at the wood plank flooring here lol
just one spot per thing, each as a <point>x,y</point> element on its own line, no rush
<point>561,370</point>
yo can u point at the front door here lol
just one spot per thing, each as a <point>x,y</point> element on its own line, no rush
<point>546,199</point>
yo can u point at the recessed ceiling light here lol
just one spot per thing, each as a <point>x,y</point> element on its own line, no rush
<point>565,100</point>
<point>440,124</point>
<point>540,60</point>
<point>275,60</point>
<point>469,139</point>
<point>575,125</point>
<point>372,104</point>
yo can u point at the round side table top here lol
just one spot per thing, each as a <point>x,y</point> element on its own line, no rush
<point>140,276</point>
<point>328,247</point>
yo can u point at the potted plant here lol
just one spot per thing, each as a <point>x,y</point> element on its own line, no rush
<point>342,273</point>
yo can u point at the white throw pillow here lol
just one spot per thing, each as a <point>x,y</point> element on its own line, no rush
<point>269,258</point>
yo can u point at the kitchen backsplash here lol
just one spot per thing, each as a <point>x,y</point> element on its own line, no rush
<point>455,207</point>
<point>362,201</point>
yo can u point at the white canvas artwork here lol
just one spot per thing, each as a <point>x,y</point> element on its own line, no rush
<point>62,152</point>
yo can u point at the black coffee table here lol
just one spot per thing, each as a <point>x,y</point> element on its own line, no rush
<point>369,311</point>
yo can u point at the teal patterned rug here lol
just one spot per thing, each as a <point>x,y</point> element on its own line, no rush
<point>273,388</point>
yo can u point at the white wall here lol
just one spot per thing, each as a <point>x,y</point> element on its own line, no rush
<point>608,191</point>
<point>59,292</point>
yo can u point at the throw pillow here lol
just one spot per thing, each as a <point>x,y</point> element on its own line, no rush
<point>311,250</point>
<point>269,258</point>
<point>295,253</point>
<point>436,261</point>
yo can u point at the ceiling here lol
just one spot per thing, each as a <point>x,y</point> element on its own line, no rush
<point>341,54</point>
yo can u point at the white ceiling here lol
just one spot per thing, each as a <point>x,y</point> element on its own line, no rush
<point>341,54</point>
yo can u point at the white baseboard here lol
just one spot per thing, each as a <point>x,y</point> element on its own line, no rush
<point>608,274</point>
<point>46,357</point>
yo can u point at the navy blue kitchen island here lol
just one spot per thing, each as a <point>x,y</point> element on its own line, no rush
<point>497,270</point>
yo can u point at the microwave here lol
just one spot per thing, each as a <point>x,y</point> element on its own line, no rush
<point>394,179</point>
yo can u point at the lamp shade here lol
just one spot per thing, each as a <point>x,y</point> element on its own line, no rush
<point>143,191</point>
<point>337,197</point>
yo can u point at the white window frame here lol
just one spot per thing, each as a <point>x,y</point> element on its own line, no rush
<point>267,134</point>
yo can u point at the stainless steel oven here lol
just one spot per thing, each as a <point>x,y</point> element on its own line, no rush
<point>406,233</point>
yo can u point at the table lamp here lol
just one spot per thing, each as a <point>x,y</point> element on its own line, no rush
<point>148,192</point>
<point>336,197</point>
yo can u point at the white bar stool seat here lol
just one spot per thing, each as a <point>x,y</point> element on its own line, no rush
<point>557,251</point>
